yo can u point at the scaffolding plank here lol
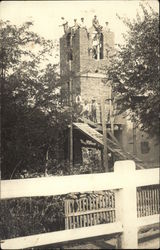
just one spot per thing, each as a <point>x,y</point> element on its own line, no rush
<point>85,128</point>
<point>113,146</point>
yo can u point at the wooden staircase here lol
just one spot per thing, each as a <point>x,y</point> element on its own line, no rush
<point>112,143</point>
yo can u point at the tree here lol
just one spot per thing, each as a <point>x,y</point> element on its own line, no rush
<point>31,113</point>
<point>133,70</point>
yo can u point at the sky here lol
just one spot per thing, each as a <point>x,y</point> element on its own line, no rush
<point>47,14</point>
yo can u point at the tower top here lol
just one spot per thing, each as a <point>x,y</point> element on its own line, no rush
<point>77,25</point>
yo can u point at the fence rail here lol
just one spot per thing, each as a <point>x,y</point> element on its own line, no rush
<point>61,236</point>
<point>125,180</point>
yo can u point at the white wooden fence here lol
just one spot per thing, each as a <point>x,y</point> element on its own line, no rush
<point>125,179</point>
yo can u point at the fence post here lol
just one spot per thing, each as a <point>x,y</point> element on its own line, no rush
<point>126,204</point>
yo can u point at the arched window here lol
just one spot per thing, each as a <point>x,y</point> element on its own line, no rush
<point>69,55</point>
<point>68,93</point>
<point>68,39</point>
<point>145,147</point>
<point>69,47</point>
<point>101,46</point>
<point>97,45</point>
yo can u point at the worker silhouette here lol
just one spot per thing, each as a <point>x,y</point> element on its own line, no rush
<point>85,109</point>
<point>93,111</point>
<point>75,27</point>
<point>65,25</point>
<point>96,25</point>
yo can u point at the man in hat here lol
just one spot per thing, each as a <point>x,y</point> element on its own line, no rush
<point>93,111</point>
<point>83,26</point>
<point>64,24</point>
<point>96,24</point>
<point>75,26</point>
<point>85,111</point>
<point>107,28</point>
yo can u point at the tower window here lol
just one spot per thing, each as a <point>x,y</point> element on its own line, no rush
<point>101,46</point>
<point>97,46</point>
<point>68,39</point>
<point>69,47</point>
<point>69,55</point>
<point>68,92</point>
<point>145,147</point>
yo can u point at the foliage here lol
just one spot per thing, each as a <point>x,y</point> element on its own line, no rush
<point>27,216</point>
<point>32,122</point>
<point>133,70</point>
<point>32,116</point>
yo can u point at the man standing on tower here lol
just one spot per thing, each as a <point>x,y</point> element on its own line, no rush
<point>96,24</point>
<point>83,26</point>
<point>76,26</point>
<point>64,24</point>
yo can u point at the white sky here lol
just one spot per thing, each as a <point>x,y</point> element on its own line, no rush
<point>46,14</point>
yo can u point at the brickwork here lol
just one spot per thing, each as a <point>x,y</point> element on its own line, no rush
<point>93,88</point>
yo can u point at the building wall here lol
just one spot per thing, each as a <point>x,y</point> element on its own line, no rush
<point>143,146</point>
<point>150,155</point>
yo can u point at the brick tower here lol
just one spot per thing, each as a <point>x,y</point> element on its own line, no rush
<point>84,54</point>
<point>87,65</point>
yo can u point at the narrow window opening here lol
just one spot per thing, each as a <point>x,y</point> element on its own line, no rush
<point>69,49</point>
<point>68,38</point>
<point>101,46</point>
<point>68,93</point>
<point>97,46</point>
<point>69,55</point>
<point>145,147</point>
